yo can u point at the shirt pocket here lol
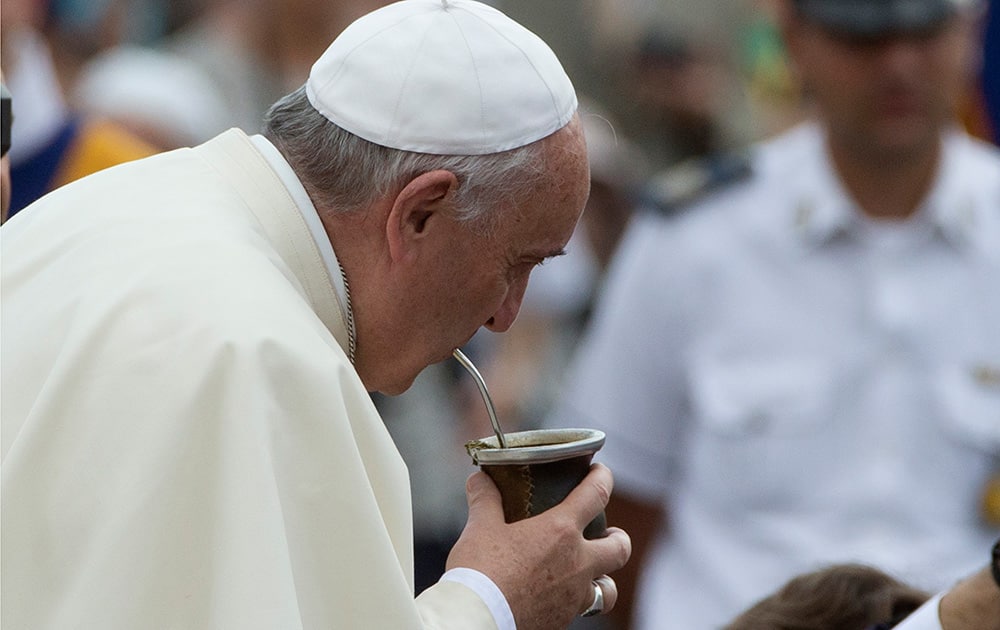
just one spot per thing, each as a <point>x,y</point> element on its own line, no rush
<point>748,396</point>
<point>758,422</point>
<point>969,397</point>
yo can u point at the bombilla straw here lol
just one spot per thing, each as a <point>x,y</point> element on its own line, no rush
<point>467,364</point>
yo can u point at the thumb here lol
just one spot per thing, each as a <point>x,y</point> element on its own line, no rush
<point>484,500</point>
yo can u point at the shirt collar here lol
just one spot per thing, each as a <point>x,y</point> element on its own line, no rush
<point>305,206</point>
<point>952,205</point>
<point>823,210</point>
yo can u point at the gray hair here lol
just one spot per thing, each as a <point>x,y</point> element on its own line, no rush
<point>343,172</point>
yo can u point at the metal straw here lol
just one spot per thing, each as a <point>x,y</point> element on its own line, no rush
<point>467,364</point>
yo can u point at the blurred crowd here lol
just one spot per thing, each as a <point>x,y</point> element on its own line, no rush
<point>681,79</point>
<point>673,92</point>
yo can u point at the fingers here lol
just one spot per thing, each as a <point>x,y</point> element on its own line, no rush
<point>601,596</point>
<point>610,590</point>
<point>484,499</point>
<point>611,552</point>
<point>604,555</point>
<point>589,498</point>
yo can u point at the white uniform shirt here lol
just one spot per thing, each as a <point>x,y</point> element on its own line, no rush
<point>802,386</point>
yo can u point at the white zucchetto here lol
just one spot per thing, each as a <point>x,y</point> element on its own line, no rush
<point>451,77</point>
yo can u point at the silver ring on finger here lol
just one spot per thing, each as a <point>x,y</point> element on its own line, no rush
<point>597,607</point>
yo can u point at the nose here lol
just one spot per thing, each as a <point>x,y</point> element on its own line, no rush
<point>504,316</point>
<point>903,54</point>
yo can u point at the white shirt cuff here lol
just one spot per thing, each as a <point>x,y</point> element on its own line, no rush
<point>926,617</point>
<point>487,591</point>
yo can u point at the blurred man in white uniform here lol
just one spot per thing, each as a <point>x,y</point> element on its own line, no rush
<point>804,368</point>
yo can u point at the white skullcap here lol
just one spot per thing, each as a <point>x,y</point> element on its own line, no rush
<point>442,76</point>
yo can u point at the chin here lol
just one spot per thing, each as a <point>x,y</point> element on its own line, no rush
<point>397,383</point>
<point>397,387</point>
<point>389,384</point>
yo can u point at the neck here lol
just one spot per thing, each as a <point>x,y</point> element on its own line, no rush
<point>973,604</point>
<point>353,239</point>
<point>886,186</point>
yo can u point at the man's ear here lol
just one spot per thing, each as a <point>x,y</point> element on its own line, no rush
<point>418,208</point>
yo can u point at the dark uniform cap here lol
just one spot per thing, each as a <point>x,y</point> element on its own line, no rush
<point>874,18</point>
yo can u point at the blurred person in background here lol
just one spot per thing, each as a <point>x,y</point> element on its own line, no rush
<point>862,597</point>
<point>52,142</point>
<point>158,96</point>
<point>841,597</point>
<point>686,89</point>
<point>692,81</point>
<point>682,92</point>
<point>803,367</point>
<point>254,51</point>
<point>686,79</point>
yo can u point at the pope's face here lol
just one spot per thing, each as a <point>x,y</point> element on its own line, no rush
<point>887,97</point>
<point>477,277</point>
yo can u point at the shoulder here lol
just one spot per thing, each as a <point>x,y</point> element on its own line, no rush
<point>729,222</point>
<point>978,161</point>
<point>722,179</point>
<point>976,148</point>
<point>683,185</point>
<point>972,183</point>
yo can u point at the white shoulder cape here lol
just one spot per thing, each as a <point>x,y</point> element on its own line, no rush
<point>184,442</point>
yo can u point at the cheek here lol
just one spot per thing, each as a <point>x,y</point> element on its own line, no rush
<point>495,295</point>
<point>953,66</point>
<point>837,71</point>
<point>514,294</point>
<point>472,297</point>
<point>500,298</point>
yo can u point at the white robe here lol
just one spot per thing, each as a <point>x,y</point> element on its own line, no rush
<point>185,443</point>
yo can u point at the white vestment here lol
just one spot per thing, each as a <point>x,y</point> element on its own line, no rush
<point>185,443</point>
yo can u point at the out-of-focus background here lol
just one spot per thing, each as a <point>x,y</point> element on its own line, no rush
<point>666,87</point>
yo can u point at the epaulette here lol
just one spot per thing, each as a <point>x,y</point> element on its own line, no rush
<point>676,187</point>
